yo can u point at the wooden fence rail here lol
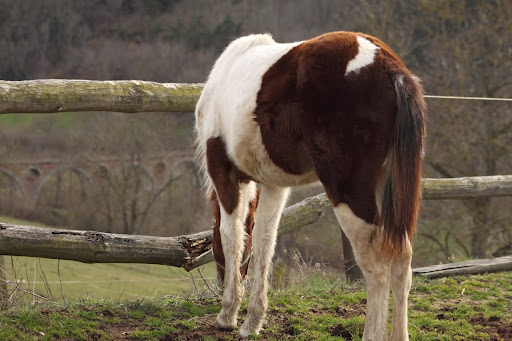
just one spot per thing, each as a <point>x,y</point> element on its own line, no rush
<point>468,267</point>
<point>191,251</point>
<point>66,95</point>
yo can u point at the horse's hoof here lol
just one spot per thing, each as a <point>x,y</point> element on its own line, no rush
<point>222,324</point>
<point>244,334</point>
<point>226,328</point>
<point>246,330</point>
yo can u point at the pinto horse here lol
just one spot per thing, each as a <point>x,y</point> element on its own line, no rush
<point>341,109</point>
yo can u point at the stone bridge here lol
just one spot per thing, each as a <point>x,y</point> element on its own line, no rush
<point>22,181</point>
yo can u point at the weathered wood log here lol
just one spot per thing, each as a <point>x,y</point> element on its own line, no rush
<point>97,247</point>
<point>304,213</point>
<point>66,95</point>
<point>311,209</point>
<point>467,187</point>
<point>470,267</point>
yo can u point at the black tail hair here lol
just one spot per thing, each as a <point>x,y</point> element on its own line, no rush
<point>402,194</point>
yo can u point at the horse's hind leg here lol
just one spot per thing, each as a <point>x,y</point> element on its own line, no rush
<point>271,203</point>
<point>401,277</point>
<point>366,240</point>
<point>232,235</point>
<point>234,195</point>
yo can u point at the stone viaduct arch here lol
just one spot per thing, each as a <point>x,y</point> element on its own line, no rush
<point>11,190</point>
<point>86,181</point>
<point>27,179</point>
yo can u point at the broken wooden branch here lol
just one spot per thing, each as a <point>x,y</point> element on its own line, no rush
<point>98,247</point>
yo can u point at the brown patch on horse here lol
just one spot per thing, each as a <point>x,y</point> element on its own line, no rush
<point>280,106</point>
<point>349,132</point>
<point>280,117</point>
<point>224,173</point>
<point>218,253</point>
<point>312,114</point>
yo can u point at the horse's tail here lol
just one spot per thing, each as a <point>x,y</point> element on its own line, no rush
<point>402,194</point>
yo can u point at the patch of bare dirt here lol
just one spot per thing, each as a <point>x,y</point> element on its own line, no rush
<point>205,327</point>
<point>121,331</point>
<point>494,326</point>
<point>353,310</point>
<point>339,330</point>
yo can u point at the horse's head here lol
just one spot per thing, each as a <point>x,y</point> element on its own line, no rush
<point>218,253</point>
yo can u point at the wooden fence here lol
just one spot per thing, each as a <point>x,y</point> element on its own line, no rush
<point>189,251</point>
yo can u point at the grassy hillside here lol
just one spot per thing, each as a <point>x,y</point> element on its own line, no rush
<point>74,280</point>
<point>314,307</point>
<point>56,279</point>
<point>33,121</point>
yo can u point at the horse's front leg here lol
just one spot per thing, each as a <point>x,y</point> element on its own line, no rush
<point>271,204</point>
<point>232,235</point>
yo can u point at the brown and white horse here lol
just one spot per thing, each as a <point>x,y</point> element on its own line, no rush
<point>341,109</point>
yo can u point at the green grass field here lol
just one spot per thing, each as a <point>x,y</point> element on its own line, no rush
<point>59,120</point>
<point>74,280</point>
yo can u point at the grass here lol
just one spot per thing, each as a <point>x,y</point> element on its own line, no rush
<point>43,122</point>
<point>74,280</point>
<point>313,307</point>
<point>16,221</point>
<point>16,120</point>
